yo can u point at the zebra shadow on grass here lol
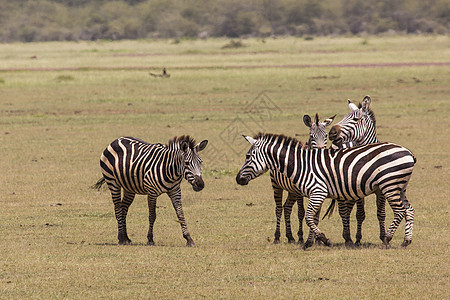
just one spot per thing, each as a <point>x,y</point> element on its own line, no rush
<point>110,244</point>
<point>362,246</point>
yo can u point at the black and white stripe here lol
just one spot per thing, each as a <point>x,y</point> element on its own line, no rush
<point>280,183</point>
<point>347,174</point>
<point>137,167</point>
<point>358,127</point>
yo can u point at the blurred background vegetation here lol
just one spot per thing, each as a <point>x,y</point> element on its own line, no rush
<point>59,20</point>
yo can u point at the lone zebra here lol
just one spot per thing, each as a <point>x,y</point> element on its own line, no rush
<point>141,168</point>
<point>347,174</point>
<point>280,183</point>
<point>358,127</point>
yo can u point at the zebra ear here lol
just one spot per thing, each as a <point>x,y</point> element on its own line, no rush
<point>351,105</point>
<point>202,145</point>
<point>366,103</point>
<point>328,121</point>
<point>250,139</point>
<point>184,146</point>
<point>307,120</point>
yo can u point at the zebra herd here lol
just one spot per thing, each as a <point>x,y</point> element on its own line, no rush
<point>356,165</point>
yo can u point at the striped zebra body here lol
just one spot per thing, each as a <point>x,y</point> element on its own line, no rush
<point>358,127</point>
<point>280,183</point>
<point>137,167</point>
<point>345,175</point>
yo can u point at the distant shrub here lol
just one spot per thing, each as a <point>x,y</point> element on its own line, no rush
<point>59,20</point>
<point>64,78</point>
<point>233,44</point>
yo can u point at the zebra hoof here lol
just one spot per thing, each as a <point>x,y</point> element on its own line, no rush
<point>291,240</point>
<point>325,241</point>
<point>349,244</point>
<point>125,242</point>
<point>307,244</point>
<point>190,244</point>
<point>150,243</point>
<point>358,244</point>
<point>386,243</point>
<point>406,243</point>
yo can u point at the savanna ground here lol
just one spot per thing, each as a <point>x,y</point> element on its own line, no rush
<point>61,104</point>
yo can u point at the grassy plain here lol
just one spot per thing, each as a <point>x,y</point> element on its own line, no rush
<point>62,103</point>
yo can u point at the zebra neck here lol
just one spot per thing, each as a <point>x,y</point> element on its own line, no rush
<point>371,139</point>
<point>176,163</point>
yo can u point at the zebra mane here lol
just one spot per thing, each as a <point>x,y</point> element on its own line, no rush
<point>371,115</point>
<point>284,138</point>
<point>176,141</point>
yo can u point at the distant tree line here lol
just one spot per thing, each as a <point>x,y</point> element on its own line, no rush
<point>58,20</point>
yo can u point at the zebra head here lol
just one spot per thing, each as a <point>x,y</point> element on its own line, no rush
<point>254,164</point>
<point>357,126</point>
<point>193,163</point>
<point>317,132</point>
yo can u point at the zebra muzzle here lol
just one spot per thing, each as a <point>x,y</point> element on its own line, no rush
<point>241,180</point>
<point>334,133</point>
<point>198,184</point>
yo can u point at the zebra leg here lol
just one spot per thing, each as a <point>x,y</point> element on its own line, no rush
<point>175,196</point>
<point>151,199</point>
<point>381,214</point>
<point>314,204</point>
<point>301,216</point>
<point>345,208</point>
<point>116,192</point>
<point>316,221</point>
<point>128,198</point>
<point>409,219</point>
<point>395,201</point>
<point>360,217</point>
<point>311,233</point>
<point>291,199</point>
<point>277,196</point>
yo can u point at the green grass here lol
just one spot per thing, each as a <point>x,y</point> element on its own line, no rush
<point>59,237</point>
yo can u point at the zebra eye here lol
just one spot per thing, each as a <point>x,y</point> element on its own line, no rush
<point>356,119</point>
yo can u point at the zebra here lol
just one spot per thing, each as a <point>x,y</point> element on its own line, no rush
<point>141,168</point>
<point>347,174</point>
<point>358,127</point>
<point>280,183</point>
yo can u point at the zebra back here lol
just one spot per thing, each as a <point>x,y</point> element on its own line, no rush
<point>140,167</point>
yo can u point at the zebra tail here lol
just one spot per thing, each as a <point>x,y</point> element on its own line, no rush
<point>99,184</point>
<point>330,209</point>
